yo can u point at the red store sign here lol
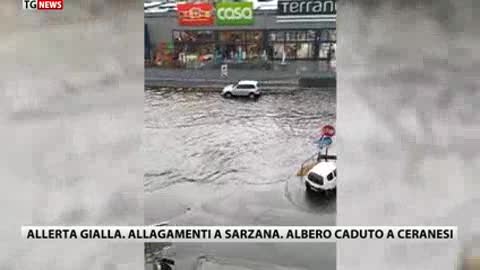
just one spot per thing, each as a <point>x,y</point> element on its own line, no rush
<point>195,14</point>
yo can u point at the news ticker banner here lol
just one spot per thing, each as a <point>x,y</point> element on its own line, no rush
<point>190,234</point>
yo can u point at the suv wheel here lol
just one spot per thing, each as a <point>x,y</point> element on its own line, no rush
<point>228,95</point>
<point>252,95</point>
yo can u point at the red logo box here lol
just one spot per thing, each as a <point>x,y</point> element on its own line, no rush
<point>195,14</point>
<point>49,4</point>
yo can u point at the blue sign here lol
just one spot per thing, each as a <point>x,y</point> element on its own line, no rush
<point>324,141</point>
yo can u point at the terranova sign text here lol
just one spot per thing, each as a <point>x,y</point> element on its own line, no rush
<point>307,11</point>
<point>234,13</point>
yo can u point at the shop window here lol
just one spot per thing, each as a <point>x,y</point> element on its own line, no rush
<point>333,35</point>
<point>232,37</point>
<point>234,53</point>
<point>195,48</point>
<point>311,35</point>
<point>305,51</point>
<point>291,36</point>
<point>238,46</point>
<point>254,51</point>
<point>291,50</point>
<point>193,36</point>
<point>278,50</point>
<point>333,51</point>
<point>328,35</point>
<point>254,43</point>
<point>194,52</point>
<point>254,36</point>
<point>277,36</point>
<point>295,44</point>
<point>325,50</point>
<point>306,35</point>
<point>241,54</point>
<point>301,35</point>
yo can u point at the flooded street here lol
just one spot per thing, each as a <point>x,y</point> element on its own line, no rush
<point>248,256</point>
<point>214,161</point>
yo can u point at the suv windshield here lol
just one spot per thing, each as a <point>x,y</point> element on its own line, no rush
<point>316,178</point>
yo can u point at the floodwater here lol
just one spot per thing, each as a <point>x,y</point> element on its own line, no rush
<point>212,161</point>
<point>246,256</point>
<point>216,161</point>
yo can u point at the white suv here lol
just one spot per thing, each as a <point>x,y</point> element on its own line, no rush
<point>322,177</point>
<point>243,89</point>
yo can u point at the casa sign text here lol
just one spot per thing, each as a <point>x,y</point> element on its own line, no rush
<point>234,13</point>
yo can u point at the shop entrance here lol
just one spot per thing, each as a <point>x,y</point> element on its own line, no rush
<point>240,46</point>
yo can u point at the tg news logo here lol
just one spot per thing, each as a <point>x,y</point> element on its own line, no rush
<point>42,4</point>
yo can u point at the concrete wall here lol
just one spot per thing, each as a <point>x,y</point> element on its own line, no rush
<point>162,24</point>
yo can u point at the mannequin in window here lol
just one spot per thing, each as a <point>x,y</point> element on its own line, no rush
<point>329,57</point>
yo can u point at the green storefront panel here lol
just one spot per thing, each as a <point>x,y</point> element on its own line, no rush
<point>234,13</point>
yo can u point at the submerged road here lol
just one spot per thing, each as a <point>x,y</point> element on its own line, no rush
<point>216,161</point>
<point>248,256</point>
<point>213,161</point>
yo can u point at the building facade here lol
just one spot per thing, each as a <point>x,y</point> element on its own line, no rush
<point>266,38</point>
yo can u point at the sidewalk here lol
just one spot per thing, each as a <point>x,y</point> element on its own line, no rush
<point>280,76</point>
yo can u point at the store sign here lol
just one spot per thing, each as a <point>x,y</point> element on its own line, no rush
<point>195,14</point>
<point>307,10</point>
<point>234,13</point>
<point>224,71</point>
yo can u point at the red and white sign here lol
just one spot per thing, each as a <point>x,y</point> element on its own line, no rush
<point>43,4</point>
<point>328,131</point>
<point>195,14</point>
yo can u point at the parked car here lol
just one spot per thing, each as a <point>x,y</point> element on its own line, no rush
<point>242,89</point>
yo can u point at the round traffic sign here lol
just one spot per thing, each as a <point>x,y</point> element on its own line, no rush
<point>328,130</point>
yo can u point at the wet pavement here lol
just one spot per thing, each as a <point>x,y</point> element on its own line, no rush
<point>292,70</point>
<point>243,256</point>
<point>216,161</point>
<point>281,75</point>
<point>280,81</point>
<point>213,161</point>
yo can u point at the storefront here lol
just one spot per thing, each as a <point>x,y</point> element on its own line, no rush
<point>313,44</point>
<point>235,46</point>
<point>264,39</point>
